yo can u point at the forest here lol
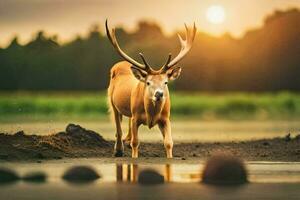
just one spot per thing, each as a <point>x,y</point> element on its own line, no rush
<point>266,58</point>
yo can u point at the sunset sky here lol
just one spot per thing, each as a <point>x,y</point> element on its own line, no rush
<point>66,18</point>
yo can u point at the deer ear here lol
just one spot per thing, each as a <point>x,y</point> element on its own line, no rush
<point>139,74</point>
<point>174,73</point>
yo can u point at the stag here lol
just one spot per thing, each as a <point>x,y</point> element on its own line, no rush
<point>141,93</point>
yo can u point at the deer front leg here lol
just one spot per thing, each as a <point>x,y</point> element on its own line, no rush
<point>165,128</point>
<point>128,136</point>
<point>134,138</point>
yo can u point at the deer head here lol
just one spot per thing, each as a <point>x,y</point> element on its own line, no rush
<point>156,80</point>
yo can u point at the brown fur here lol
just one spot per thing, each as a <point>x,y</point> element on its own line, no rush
<point>141,93</point>
<point>127,96</point>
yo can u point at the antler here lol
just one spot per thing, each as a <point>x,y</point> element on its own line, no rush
<point>186,46</point>
<point>112,37</point>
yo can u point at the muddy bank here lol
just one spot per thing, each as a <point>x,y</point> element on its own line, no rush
<point>77,142</point>
<point>74,142</point>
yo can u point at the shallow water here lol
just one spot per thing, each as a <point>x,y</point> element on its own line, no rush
<point>182,130</point>
<point>259,172</point>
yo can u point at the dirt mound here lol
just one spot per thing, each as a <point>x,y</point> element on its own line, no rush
<point>75,141</point>
<point>75,136</point>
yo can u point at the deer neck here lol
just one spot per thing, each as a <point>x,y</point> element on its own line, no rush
<point>153,111</point>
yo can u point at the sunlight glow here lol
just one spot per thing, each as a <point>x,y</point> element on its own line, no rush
<point>215,14</point>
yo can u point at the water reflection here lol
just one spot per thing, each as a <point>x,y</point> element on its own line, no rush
<point>130,172</point>
<point>126,172</point>
<point>263,172</point>
<point>258,172</point>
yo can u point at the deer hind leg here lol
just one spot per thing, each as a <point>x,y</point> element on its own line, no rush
<point>165,128</point>
<point>119,148</point>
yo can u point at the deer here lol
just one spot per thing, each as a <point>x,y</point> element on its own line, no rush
<point>138,91</point>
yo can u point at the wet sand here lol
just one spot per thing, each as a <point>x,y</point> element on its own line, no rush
<point>77,142</point>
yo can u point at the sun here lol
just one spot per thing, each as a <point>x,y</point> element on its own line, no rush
<point>215,14</point>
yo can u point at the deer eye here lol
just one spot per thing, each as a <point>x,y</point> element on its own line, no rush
<point>166,83</point>
<point>148,83</point>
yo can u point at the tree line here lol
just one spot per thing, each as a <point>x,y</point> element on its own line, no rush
<point>264,59</point>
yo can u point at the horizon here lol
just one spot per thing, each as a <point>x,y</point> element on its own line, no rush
<point>72,24</point>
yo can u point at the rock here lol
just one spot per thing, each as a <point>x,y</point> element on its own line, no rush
<point>80,174</point>
<point>224,169</point>
<point>8,176</point>
<point>37,177</point>
<point>150,177</point>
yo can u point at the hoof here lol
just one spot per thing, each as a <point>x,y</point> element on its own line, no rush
<point>118,153</point>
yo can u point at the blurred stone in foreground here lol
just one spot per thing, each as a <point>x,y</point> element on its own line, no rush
<point>80,174</point>
<point>7,176</point>
<point>35,177</point>
<point>150,177</point>
<point>224,169</point>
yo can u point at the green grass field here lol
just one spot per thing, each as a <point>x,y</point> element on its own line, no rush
<point>39,105</point>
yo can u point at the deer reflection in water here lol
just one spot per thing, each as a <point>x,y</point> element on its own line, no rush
<point>130,172</point>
